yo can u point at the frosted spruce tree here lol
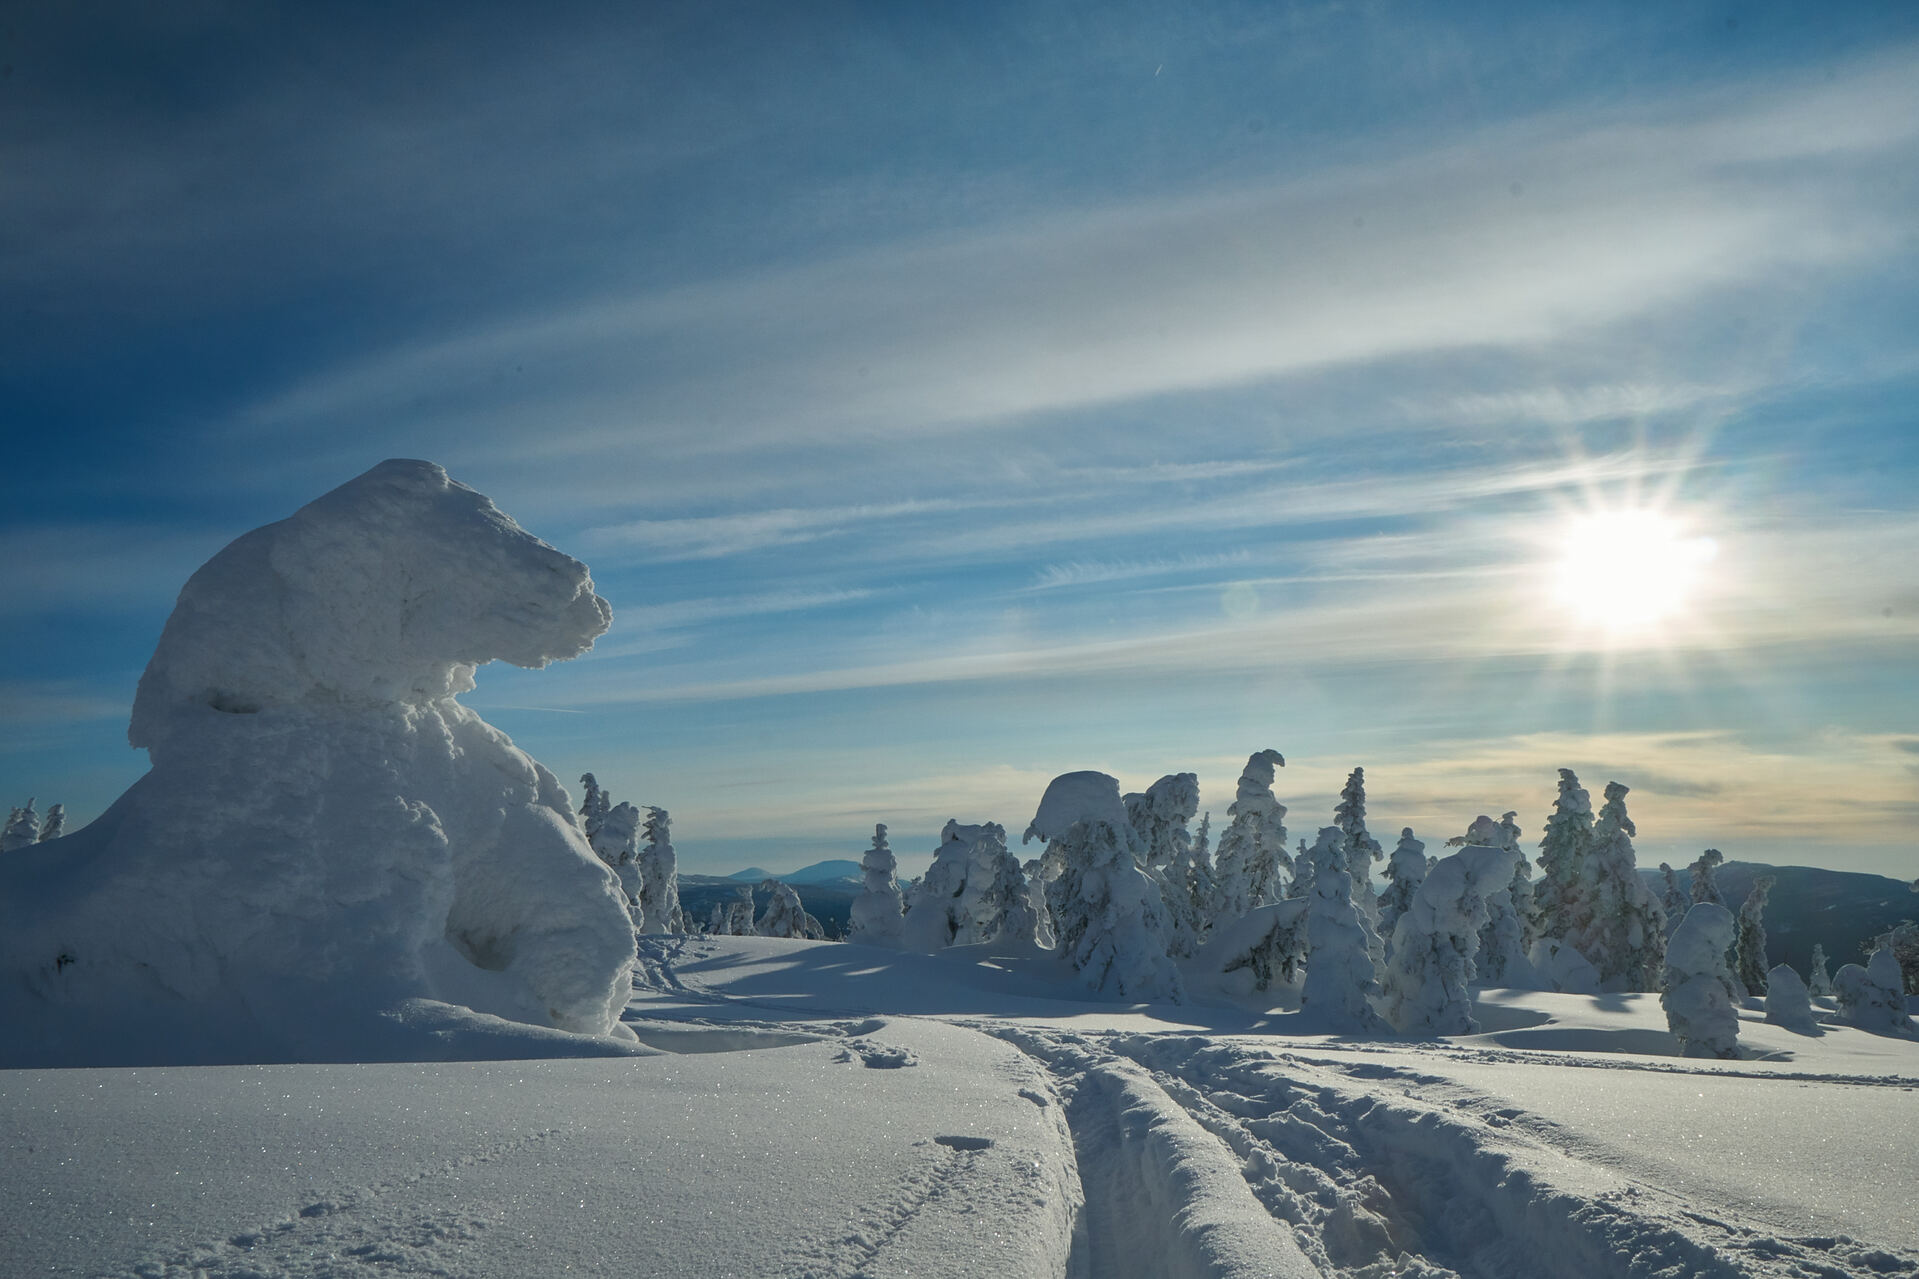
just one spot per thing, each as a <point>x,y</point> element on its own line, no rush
<point>975,891</point>
<point>1340,978</point>
<point>1252,849</point>
<point>1675,899</point>
<point>1618,925</point>
<point>56,824</point>
<point>21,830</point>
<point>660,876</point>
<point>1435,940</point>
<point>1362,850</point>
<point>1873,998</point>
<point>1159,815</point>
<point>594,806</point>
<point>1902,940</point>
<point>1106,912</point>
<point>1696,987</point>
<point>1749,944</point>
<point>738,920</point>
<point>1705,883</point>
<point>1506,938</point>
<point>1405,872</point>
<point>1788,1002</point>
<point>785,916</point>
<point>1819,980</point>
<point>878,913</point>
<point>1562,859</point>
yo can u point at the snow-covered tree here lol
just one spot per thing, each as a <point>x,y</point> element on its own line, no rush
<point>1902,940</point>
<point>1749,945</point>
<point>1696,987</point>
<point>1705,882</point>
<point>738,920</point>
<point>1034,869</point>
<point>975,891</point>
<point>877,914</point>
<point>1267,942</point>
<point>1819,981</point>
<point>1252,849</point>
<point>1302,885</point>
<point>1676,900</point>
<point>616,837</point>
<point>1362,850</point>
<point>1562,857</point>
<point>1405,872</point>
<point>1435,940</point>
<point>56,824</point>
<point>1106,912</point>
<point>1788,1002</point>
<point>660,876</point>
<point>785,916</point>
<point>1340,978</point>
<point>1159,815</point>
<point>1873,998</point>
<point>594,806</point>
<point>22,829</point>
<point>1610,915</point>
<point>1506,938</point>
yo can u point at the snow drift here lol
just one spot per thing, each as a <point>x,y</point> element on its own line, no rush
<point>326,836</point>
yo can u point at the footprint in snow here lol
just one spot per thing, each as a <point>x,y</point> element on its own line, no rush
<point>877,1056</point>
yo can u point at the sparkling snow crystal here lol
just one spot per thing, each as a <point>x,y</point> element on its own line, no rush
<point>326,834</point>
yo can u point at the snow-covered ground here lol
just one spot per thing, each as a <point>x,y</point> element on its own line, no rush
<point>839,1110</point>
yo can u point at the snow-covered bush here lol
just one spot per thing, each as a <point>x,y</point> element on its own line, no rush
<point>975,891</point>
<point>878,912</point>
<point>1819,982</point>
<point>1696,987</point>
<point>732,918</point>
<point>1267,943</point>
<point>785,916</point>
<point>1902,939</point>
<point>1106,912</point>
<point>1872,998</point>
<point>22,829</point>
<point>1606,910</point>
<point>1675,899</point>
<point>1252,849</point>
<point>1562,856</point>
<point>659,868</point>
<point>322,815</point>
<point>1435,940</point>
<point>1749,944</point>
<point>1340,978</point>
<point>1788,1002</point>
<point>1405,872</point>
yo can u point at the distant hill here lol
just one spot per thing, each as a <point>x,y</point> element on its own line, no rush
<point>818,873</point>
<point>1840,910</point>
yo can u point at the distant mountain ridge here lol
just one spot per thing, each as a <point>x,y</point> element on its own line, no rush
<point>825,872</point>
<point>1840,910</point>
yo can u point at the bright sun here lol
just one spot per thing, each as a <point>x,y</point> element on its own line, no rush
<point>1630,570</point>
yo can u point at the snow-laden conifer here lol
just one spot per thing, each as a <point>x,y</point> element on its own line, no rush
<point>1696,987</point>
<point>1675,899</point>
<point>1252,849</point>
<point>975,891</point>
<point>1788,1002</point>
<point>1405,872</point>
<point>22,829</point>
<point>1159,815</point>
<point>1873,997</point>
<point>1362,850</point>
<point>734,918</point>
<point>1106,912</point>
<point>1340,978</point>
<point>1705,882</point>
<point>1435,940</point>
<point>1819,980</point>
<point>1562,858</point>
<point>594,806</point>
<point>1558,965</point>
<point>785,916</point>
<point>617,843</point>
<point>1268,943</point>
<point>878,913</point>
<point>56,824</point>
<point>1506,938</point>
<point>660,876</point>
<point>1749,944</point>
<point>1613,918</point>
<point>1902,939</point>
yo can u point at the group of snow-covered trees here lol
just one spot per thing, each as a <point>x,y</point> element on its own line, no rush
<point>650,873</point>
<point>25,826</point>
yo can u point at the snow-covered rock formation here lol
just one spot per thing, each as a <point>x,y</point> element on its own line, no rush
<point>1435,940</point>
<point>1697,990</point>
<point>327,836</point>
<point>878,912</point>
<point>1106,912</point>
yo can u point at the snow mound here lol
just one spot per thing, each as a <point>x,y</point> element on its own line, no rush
<point>322,816</point>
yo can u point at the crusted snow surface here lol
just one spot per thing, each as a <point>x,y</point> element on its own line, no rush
<point>326,833</point>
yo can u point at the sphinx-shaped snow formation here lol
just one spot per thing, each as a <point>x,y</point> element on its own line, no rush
<point>329,847</point>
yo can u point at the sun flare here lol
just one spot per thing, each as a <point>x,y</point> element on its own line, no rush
<point>1630,570</point>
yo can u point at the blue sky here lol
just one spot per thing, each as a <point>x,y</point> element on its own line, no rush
<point>947,397</point>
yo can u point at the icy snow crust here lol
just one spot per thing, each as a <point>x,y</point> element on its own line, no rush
<point>327,838</point>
